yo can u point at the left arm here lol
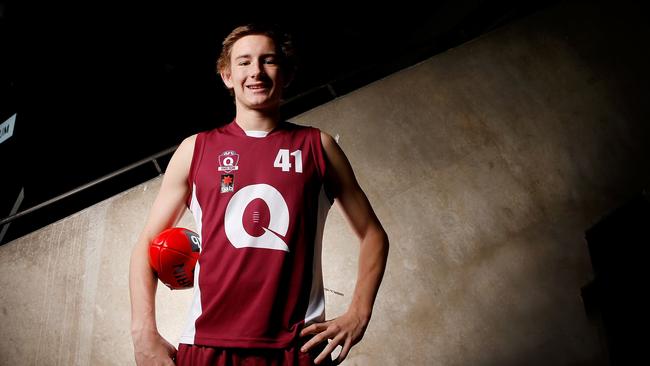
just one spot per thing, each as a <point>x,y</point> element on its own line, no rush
<point>348,329</point>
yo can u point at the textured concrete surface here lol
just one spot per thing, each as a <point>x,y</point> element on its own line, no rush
<point>65,287</point>
<point>485,164</point>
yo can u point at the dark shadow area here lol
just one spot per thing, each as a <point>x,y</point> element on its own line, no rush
<point>616,300</point>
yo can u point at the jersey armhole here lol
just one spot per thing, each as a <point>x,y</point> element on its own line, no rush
<point>318,153</point>
<point>197,154</point>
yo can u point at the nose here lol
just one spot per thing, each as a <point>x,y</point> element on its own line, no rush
<point>257,69</point>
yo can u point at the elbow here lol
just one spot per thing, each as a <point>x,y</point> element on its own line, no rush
<point>385,240</point>
<point>382,245</point>
<point>381,238</point>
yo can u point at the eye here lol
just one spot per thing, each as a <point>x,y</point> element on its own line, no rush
<point>270,61</point>
<point>243,63</point>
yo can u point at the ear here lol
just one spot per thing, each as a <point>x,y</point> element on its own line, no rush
<point>227,79</point>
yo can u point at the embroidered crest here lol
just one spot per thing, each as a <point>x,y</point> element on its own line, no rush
<point>228,161</point>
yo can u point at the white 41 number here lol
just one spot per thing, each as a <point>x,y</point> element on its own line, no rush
<point>282,160</point>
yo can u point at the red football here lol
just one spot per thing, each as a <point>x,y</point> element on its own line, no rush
<point>173,255</point>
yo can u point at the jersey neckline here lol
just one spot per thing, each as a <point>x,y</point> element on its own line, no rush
<point>238,130</point>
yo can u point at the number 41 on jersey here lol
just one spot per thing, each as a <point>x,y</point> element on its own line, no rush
<point>283,160</point>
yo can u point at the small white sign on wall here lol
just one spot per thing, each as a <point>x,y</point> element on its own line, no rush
<point>7,128</point>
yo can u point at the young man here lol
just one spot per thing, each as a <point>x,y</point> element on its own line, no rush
<point>259,189</point>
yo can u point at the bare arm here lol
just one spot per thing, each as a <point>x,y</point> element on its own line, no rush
<point>165,212</point>
<point>355,207</point>
<point>348,329</point>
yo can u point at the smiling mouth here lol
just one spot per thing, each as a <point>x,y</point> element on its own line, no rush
<point>257,87</point>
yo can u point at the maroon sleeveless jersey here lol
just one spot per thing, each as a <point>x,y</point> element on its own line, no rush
<point>259,204</point>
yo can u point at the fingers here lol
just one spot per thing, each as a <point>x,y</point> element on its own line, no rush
<point>329,349</point>
<point>323,331</point>
<point>314,328</point>
<point>344,351</point>
<point>340,332</point>
<point>314,341</point>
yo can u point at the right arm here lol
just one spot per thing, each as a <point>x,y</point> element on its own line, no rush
<point>166,211</point>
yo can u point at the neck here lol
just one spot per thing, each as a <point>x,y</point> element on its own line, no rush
<point>257,120</point>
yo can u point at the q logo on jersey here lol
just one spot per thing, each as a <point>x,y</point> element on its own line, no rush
<point>278,218</point>
<point>228,161</point>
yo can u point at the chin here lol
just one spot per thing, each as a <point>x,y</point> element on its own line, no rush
<point>265,107</point>
<point>262,103</point>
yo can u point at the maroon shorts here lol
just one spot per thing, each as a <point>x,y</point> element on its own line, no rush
<point>196,355</point>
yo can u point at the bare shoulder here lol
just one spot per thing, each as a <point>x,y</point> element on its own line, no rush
<point>182,158</point>
<point>190,140</point>
<point>329,144</point>
<point>326,138</point>
<point>186,146</point>
<point>339,174</point>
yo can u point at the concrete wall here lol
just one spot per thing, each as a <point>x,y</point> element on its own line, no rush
<point>485,164</point>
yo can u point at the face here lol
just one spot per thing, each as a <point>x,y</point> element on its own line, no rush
<point>255,75</point>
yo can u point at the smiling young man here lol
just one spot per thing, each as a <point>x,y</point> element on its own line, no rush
<point>259,189</point>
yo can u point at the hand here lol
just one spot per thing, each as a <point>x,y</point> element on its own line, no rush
<point>151,349</point>
<point>346,330</point>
